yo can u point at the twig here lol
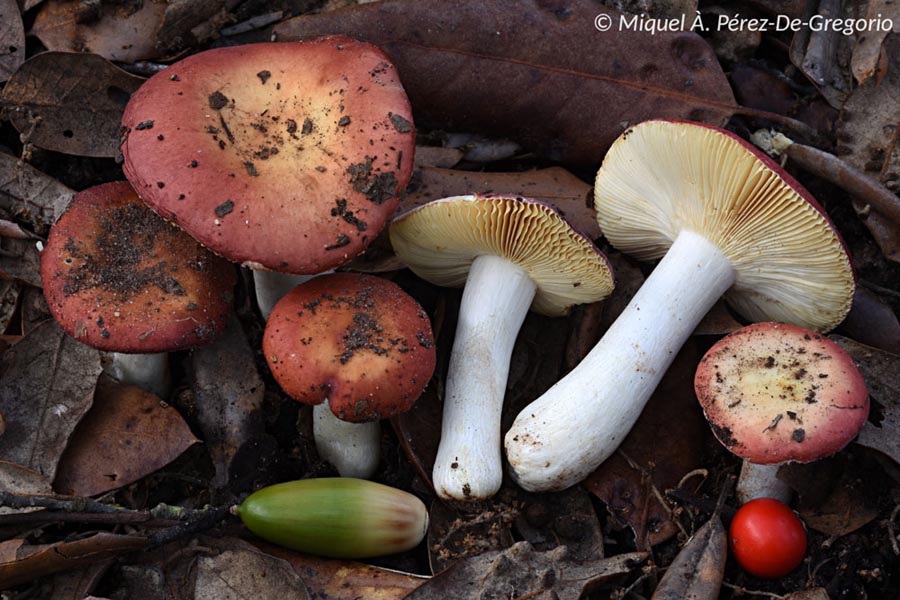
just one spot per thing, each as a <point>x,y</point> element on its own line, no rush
<point>198,522</point>
<point>743,590</point>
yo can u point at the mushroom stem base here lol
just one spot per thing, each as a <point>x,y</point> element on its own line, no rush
<point>353,448</point>
<point>149,372</point>
<point>761,481</point>
<point>561,437</point>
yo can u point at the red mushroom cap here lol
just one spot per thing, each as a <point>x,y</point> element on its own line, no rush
<point>775,393</point>
<point>286,156</point>
<point>358,341</point>
<point>118,277</point>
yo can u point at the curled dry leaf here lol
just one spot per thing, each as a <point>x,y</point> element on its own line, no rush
<point>229,394</point>
<point>697,571</point>
<point>496,574</point>
<point>30,195</point>
<point>868,54</point>
<point>672,414</point>
<point>10,291</point>
<point>47,385</point>
<point>881,371</point>
<point>125,436</point>
<point>12,38</point>
<point>567,89</point>
<point>124,32</point>
<point>871,322</point>
<point>344,579</point>
<point>21,562</point>
<point>192,22</point>
<point>70,103</point>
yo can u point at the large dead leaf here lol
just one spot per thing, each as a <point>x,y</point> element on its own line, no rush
<point>520,572</point>
<point>228,394</point>
<point>696,572</point>
<point>867,134</point>
<point>124,32</point>
<point>344,579</point>
<point>70,102</point>
<point>20,260</point>
<point>12,38</point>
<point>23,563</point>
<point>31,195</point>
<point>871,322</point>
<point>540,73</point>
<point>46,386</point>
<point>868,54</point>
<point>245,573</point>
<point>881,371</point>
<point>125,436</point>
<point>624,481</point>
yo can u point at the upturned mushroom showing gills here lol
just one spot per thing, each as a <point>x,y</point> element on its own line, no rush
<point>119,278</point>
<point>281,156</point>
<point>776,393</point>
<point>358,343</point>
<point>726,220</point>
<point>511,254</point>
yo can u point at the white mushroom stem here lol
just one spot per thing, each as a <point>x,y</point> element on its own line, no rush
<point>561,437</point>
<point>761,481</point>
<point>353,448</point>
<point>270,286</point>
<point>149,372</point>
<point>495,301</point>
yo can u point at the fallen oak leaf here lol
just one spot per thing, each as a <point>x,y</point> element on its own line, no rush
<point>30,195</point>
<point>125,436</point>
<point>21,562</point>
<point>519,571</point>
<point>47,382</point>
<point>70,102</point>
<point>12,38</point>
<point>568,90</point>
<point>21,480</point>
<point>698,568</point>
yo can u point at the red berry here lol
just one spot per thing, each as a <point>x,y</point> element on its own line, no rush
<point>767,538</point>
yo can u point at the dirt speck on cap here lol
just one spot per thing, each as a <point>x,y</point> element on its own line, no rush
<point>217,101</point>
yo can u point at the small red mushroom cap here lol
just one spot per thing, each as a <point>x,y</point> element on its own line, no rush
<point>776,393</point>
<point>358,341</point>
<point>119,278</point>
<point>284,156</point>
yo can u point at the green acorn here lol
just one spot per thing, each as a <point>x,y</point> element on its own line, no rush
<point>340,517</point>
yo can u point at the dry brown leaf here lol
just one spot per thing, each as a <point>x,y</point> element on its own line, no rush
<point>565,519</point>
<point>46,386</point>
<point>192,22</point>
<point>868,132</point>
<point>871,322</point>
<point>126,435</point>
<point>17,479</point>
<point>868,52</point>
<point>244,572</point>
<point>12,39</point>
<point>344,579</point>
<point>672,414</point>
<point>881,371</point>
<point>74,585</point>
<point>697,570</point>
<point>519,570</point>
<point>123,32</point>
<point>31,195</point>
<point>229,394</point>
<point>26,563</point>
<point>567,89</point>
<point>20,260</point>
<point>70,102</point>
<point>10,291</point>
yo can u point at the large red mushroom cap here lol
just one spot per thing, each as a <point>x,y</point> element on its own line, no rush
<point>358,341</point>
<point>776,393</point>
<point>285,156</point>
<point>119,278</point>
